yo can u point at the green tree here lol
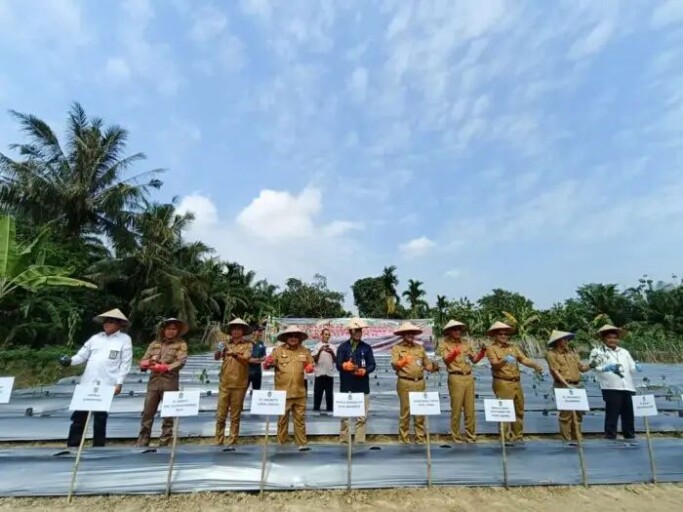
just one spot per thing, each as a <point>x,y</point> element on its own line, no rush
<point>500,300</point>
<point>389,284</point>
<point>369,297</point>
<point>311,300</point>
<point>414,295</point>
<point>440,312</point>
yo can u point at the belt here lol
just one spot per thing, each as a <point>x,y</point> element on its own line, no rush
<point>572,382</point>
<point>413,379</point>
<point>509,379</point>
<point>458,372</point>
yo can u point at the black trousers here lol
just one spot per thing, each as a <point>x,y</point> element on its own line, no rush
<point>322,384</point>
<point>78,425</point>
<point>255,380</point>
<point>618,403</point>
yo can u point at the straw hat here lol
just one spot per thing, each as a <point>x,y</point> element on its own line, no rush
<point>292,330</point>
<point>453,324</point>
<point>115,314</point>
<point>560,335</point>
<point>610,328</point>
<point>499,326</point>
<point>183,327</point>
<point>240,323</point>
<point>406,328</point>
<point>356,323</point>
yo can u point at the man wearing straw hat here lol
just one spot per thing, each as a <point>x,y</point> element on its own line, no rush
<point>615,366</point>
<point>234,380</point>
<point>355,362</point>
<point>164,357</point>
<point>459,356</point>
<point>108,356</point>
<point>566,368</point>
<point>505,359</point>
<point>410,361</point>
<point>290,360</point>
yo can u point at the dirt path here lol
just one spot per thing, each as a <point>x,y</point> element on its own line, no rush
<point>633,498</point>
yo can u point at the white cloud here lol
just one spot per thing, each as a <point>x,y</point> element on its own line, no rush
<point>358,83</point>
<point>232,54</point>
<point>203,209</point>
<point>417,247</point>
<point>117,70</point>
<point>667,13</point>
<point>209,22</point>
<point>453,273</point>
<point>593,42</point>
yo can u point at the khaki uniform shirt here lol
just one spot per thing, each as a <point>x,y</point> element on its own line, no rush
<point>171,353</point>
<point>289,367</point>
<point>566,363</point>
<point>497,352</point>
<point>235,373</point>
<point>419,360</point>
<point>462,363</point>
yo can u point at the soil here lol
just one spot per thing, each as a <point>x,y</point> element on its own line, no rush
<point>632,498</point>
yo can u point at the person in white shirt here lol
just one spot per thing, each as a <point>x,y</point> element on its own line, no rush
<point>108,356</point>
<point>615,367</point>
<point>324,357</point>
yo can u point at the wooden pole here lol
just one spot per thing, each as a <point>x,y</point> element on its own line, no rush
<point>78,457</point>
<point>349,453</point>
<point>429,454</point>
<point>264,458</point>
<point>176,422</point>
<point>579,442</point>
<point>650,452</point>
<point>505,456</point>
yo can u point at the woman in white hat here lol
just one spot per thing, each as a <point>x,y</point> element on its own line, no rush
<point>459,356</point>
<point>615,367</point>
<point>566,368</point>
<point>410,361</point>
<point>108,356</point>
<point>505,359</point>
<point>164,357</point>
<point>290,361</point>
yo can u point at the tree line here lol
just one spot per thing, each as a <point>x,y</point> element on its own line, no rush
<point>87,235</point>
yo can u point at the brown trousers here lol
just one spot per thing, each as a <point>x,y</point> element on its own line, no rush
<point>404,387</point>
<point>461,390</point>
<point>297,406</point>
<point>229,400</point>
<point>569,431</point>
<point>360,425</point>
<point>509,390</point>
<point>156,387</point>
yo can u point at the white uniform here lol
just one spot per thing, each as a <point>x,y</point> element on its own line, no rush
<point>108,358</point>
<point>604,356</point>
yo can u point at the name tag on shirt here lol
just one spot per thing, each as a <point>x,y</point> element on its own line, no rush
<point>114,354</point>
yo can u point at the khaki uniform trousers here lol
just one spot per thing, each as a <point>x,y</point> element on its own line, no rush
<point>153,398</point>
<point>297,406</point>
<point>568,431</point>
<point>404,387</point>
<point>229,400</point>
<point>461,390</point>
<point>511,390</point>
<point>359,436</point>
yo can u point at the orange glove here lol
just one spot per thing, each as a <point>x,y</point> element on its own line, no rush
<point>348,366</point>
<point>309,368</point>
<point>404,361</point>
<point>145,364</point>
<point>360,372</point>
<point>268,362</point>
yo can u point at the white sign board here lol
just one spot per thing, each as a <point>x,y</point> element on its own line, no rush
<point>423,403</point>
<point>6,385</point>
<point>500,411</point>
<point>92,397</point>
<point>180,403</point>
<point>349,405</point>
<point>268,403</point>
<point>644,405</point>
<point>568,399</point>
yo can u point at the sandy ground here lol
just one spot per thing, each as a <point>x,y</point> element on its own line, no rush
<point>634,498</point>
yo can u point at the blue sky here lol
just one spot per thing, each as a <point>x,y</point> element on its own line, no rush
<point>528,145</point>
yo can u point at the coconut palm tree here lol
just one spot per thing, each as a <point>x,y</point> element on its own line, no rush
<point>389,284</point>
<point>441,306</point>
<point>414,295</point>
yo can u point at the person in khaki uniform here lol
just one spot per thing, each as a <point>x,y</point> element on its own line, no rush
<point>234,380</point>
<point>164,357</point>
<point>566,368</point>
<point>505,359</point>
<point>459,356</point>
<point>290,360</point>
<point>410,361</point>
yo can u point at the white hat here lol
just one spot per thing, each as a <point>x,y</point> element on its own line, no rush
<point>452,324</point>
<point>292,329</point>
<point>240,323</point>
<point>560,335</point>
<point>115,314</point>
<point>499,326</point>
<point>407,327</point>
<point>183,327</point>
<point>610,328</point>
<point>356,323</point>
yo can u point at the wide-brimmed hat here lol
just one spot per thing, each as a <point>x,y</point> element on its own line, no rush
<point>356,323</point>
<point>114,314</point>
<point>407,328</point>
<point>246,328</point>
<point>560,335</point>
<point>183,327</point>
<point>500,326</point>
<point>452,324</point>
<point>292,329</point>
<point>610,328</point>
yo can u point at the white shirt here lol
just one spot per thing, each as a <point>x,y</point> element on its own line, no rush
<point>326,365</point>
<point>108,358</point>
<point>604,356</point>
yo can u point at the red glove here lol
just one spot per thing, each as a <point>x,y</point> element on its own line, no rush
<point>404,361</point>
<point>349,366</point>
<point>159,368</point>
<point>268,362</point>
<point>452,355</point>
<point>360,372</point>
<point>145,364</point>
<point>309,368</point>
<point>480,355</point>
